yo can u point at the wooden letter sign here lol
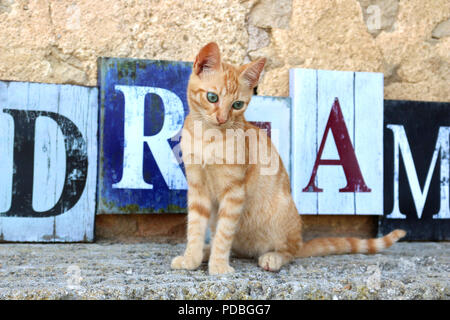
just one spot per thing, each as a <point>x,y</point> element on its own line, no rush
<point>417,166</point>
<point>337,144</point>
<point>143,105</point>
<point>48,162</point>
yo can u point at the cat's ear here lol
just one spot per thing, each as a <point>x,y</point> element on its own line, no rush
<point>251,72</point>
<point>208,59</point>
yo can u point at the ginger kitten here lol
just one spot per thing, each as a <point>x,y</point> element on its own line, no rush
<point>250,211</point>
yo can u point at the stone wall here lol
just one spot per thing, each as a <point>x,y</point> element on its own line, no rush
<point>408,40</point>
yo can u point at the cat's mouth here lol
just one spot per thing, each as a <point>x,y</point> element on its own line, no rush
<point>217,122</point>
<point>221,121</point>
<point>222,124</point>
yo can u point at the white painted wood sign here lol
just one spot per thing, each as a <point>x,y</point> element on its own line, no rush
<point>337,141</point>
<point>48,162</point>
<point>276,112</point>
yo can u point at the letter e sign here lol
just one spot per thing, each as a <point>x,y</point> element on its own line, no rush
<point>337,143</point>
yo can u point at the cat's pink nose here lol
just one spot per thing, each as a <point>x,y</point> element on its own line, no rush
<point>221,120</point>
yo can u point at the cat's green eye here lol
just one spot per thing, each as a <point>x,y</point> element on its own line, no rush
<point>212,97</point>
<point>238,105</point>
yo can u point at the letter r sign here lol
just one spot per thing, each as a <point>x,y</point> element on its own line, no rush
<point>143,105</point>
<point>337,142</point>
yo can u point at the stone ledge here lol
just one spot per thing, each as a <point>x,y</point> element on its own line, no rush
<point>141,271</point>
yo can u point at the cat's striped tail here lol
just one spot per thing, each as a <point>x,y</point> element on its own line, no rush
<point>328,246</point>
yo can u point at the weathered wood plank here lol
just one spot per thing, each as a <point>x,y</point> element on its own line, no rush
<point>22,96</point>
<point>368,142</point>
<point>81,106</point>
<point>6,150</point>
<point>303,92</point>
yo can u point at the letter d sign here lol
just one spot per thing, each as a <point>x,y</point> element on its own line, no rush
<point>48,162</point>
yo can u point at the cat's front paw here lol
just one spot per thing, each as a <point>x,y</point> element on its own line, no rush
<point>220,268</point>
<point>185,262</point>
<point>271,261</point>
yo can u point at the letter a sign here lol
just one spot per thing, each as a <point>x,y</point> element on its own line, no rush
<point>337,141</point>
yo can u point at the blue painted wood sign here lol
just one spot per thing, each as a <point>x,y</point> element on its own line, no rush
<point>337,141</point>
<point>143,106</point>
<point>417,169</point>
<point>48,162</point>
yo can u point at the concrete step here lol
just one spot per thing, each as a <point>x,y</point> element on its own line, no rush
<point>142,271</point>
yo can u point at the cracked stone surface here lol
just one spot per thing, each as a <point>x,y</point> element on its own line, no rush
<point>60,41</point>
<point>334,35</point>
<point>142,271</point>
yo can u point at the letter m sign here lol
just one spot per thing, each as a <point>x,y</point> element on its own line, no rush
<point>337,144</point>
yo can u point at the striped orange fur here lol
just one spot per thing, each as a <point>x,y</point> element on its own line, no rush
<point>249,213</point>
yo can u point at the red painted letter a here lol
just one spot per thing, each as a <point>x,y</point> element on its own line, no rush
<point>347,157</point>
